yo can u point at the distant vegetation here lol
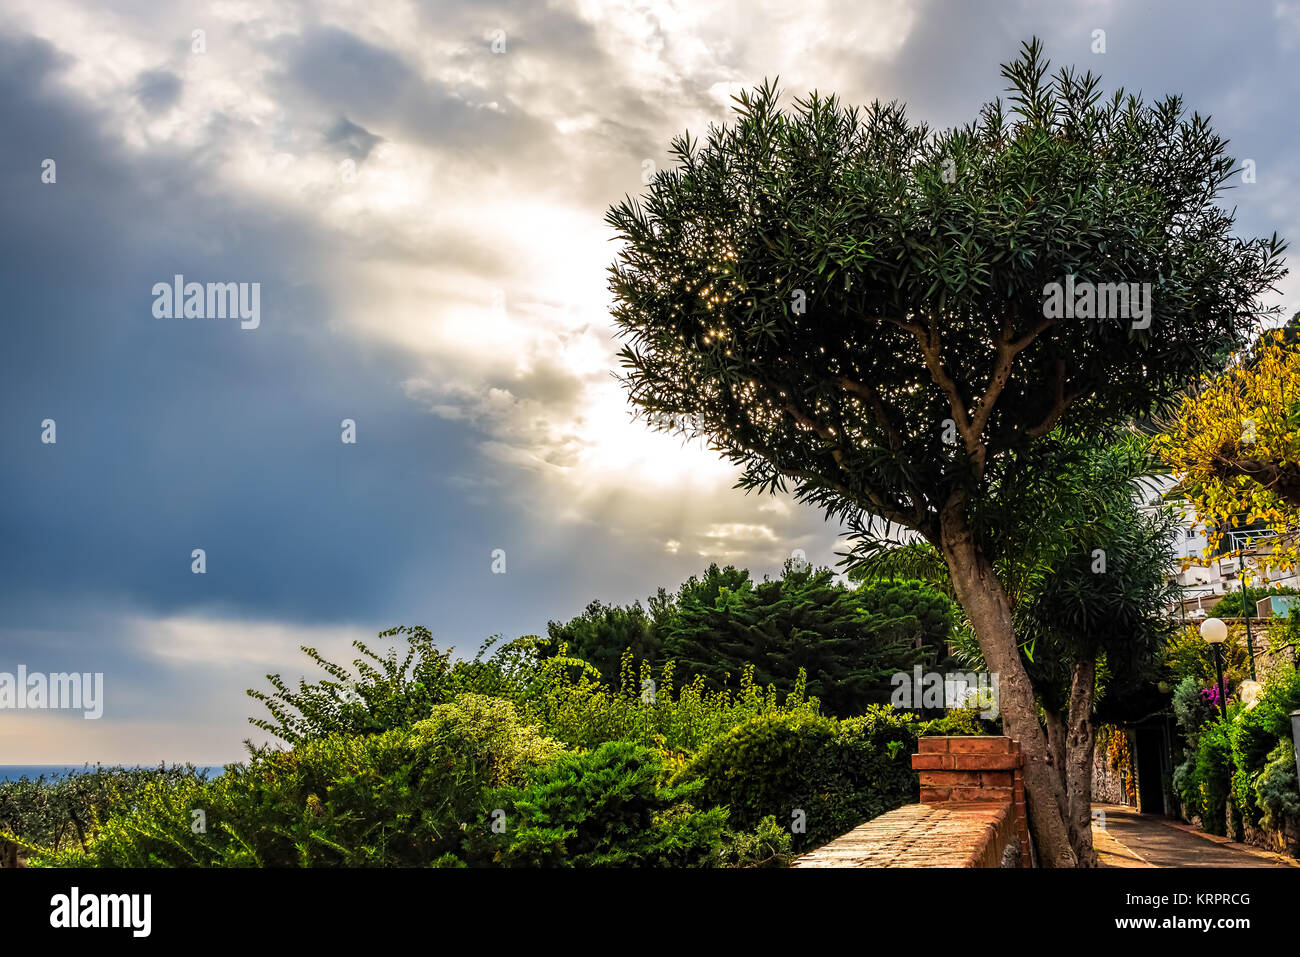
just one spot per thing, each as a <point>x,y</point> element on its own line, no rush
<point>533,754</point>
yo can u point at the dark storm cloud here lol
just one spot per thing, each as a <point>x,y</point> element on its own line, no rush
<point>182,434</point>
<point>157,90</point>
<point>355,141</point>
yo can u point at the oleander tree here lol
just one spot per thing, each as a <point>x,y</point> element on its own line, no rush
<point>1085,560</point>
<point>1094,609</point>
<point>849,304</point>
<point>1234,441</point>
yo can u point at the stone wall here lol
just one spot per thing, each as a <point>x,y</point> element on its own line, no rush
<point>972,813</point>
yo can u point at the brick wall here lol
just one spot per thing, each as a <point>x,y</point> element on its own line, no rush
<point>972,810</point>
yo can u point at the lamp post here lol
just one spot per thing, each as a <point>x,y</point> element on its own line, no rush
<point>1250,645</point>
<point>1215,632</point>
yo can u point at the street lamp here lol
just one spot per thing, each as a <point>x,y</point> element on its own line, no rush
<point>1215,632</point>
<point>1250,644</point>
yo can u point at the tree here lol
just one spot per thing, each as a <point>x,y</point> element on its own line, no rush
<point>849,303</point>
<point>1088,571</point>
<point>803,621</point>
<point>602,633</point>
<point>925,613</point>
<point>1095,611</point>
<point>1235,442</point>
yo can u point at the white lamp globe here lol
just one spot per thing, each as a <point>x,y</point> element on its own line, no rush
<point>1214,631</point>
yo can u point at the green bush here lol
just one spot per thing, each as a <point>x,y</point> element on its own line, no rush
<point>1230,606</point>
<point>406,797</point>
<point>604,808</point>
<point>389,691</point>
<point>958,721</point>
<point>1205,780</point>
<point>1276,790</point>
<point>1255,736</point>
<point>1192,710</point>
<point>63,812</point>
<point>837,773</point>
<point>572,704</point>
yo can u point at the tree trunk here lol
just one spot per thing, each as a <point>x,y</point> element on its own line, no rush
<point>1055,741</point>
<point>989,609</point>
<point>1080,743</point>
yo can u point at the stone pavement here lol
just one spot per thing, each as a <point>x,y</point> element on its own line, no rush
<point>1131,839</point>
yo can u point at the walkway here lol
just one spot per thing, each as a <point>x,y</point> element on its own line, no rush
<point>1131,839</point>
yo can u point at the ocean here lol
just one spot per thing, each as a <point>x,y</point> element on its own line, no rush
<point>14,772</point>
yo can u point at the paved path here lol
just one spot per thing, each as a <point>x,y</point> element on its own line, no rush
<point>1131,839</point>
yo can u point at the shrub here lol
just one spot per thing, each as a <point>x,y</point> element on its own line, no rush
<point>63,812</point>
<point>573,705</point>
<point>768,845</point>
<point>604,808</point>
<point>387,691</point>
<point>838,773</point>
<point>958,721</point>
<point>1230,605</point>
<point>1256,734</point>
<point>1206,779</point>
<point>1192,710</point>
<point>1276,790</point>
<point>406,797</point>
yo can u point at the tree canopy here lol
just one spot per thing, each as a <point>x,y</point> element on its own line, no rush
<point>848,641</point>
<point>1235,443</point>
<point>828,293</point>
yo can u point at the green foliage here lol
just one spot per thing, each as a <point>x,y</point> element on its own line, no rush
<point>400,798</point>
<point>605,808</point>
<point>1276,791</point>
<point>391,691</point>
<point>923,611</point>
<point>575,706</point>
<point>62,813</point>
<point>386,692</point>
<point>1258,730</point>
<point>801,623</point>
<point>1192,709</point>
<point>958,721</point>
<point>1187,654</point>
<point>1212,777</point>
<point>846,641</point>
<point>1255,736</point>
<point>602,633</point>
<point>1229,606</point>
<point>768,845</point>
<point>837,773</point>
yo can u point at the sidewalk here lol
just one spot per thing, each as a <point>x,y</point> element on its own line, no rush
<point>1131,839</point>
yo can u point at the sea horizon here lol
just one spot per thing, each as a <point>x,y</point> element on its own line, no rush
<point>16,772</point>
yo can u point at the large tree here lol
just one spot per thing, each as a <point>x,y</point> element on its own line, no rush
<point>1085,560</point>
<point>848,642</point>
<point>850,303</point>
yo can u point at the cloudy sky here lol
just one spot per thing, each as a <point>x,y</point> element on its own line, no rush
<point>419,190</point>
